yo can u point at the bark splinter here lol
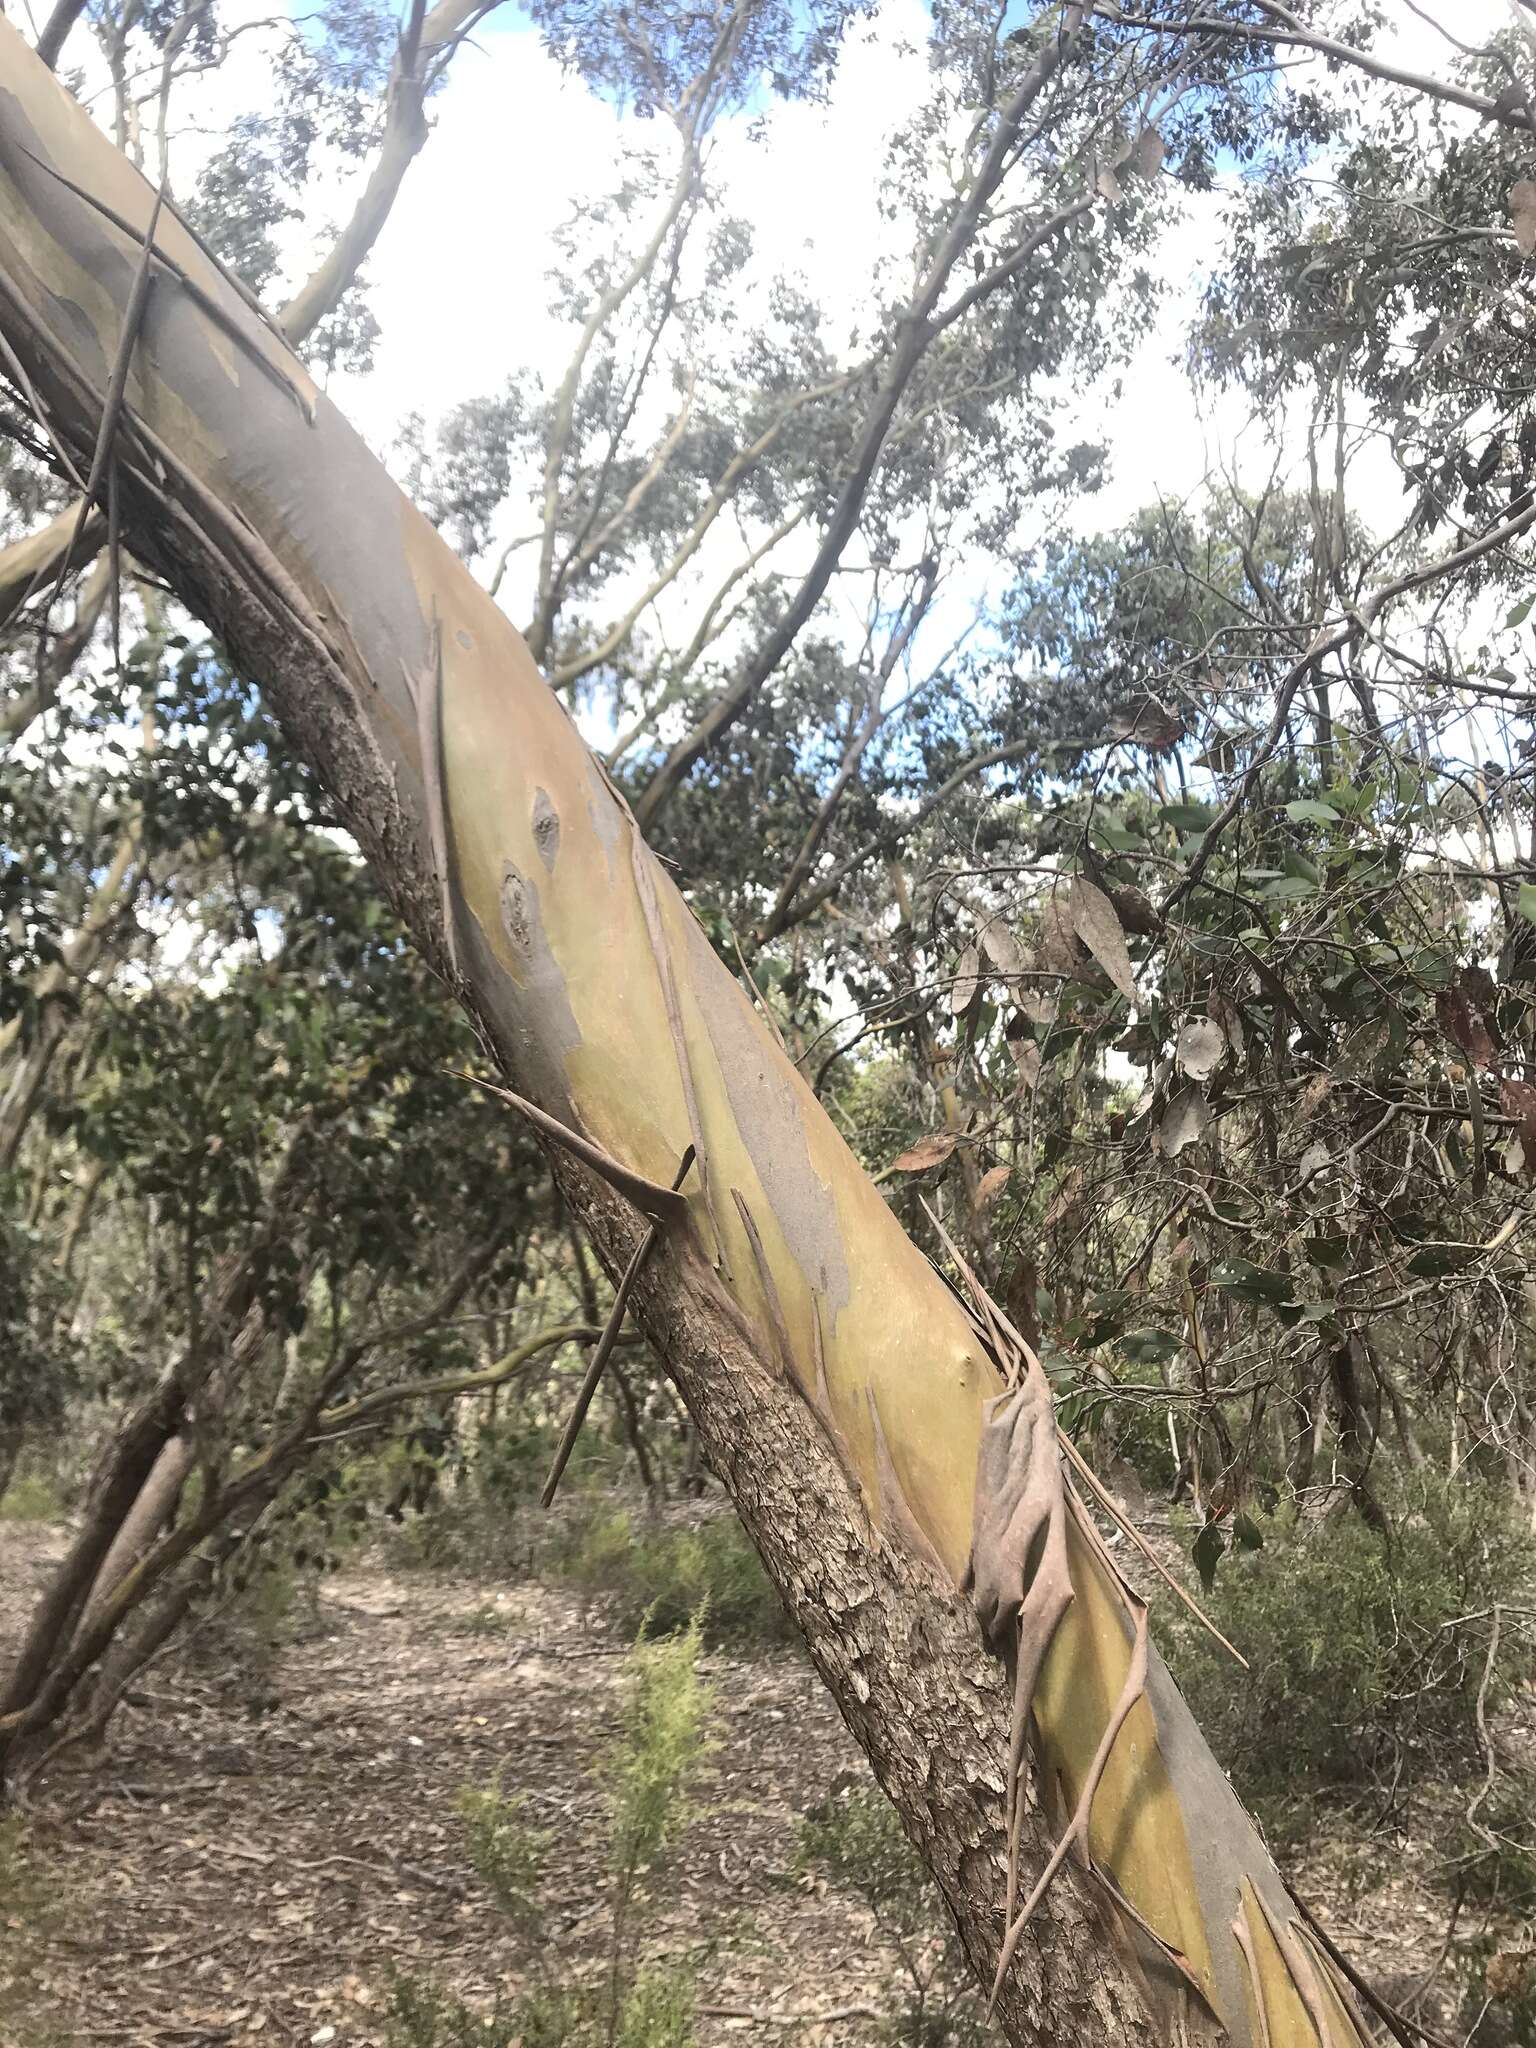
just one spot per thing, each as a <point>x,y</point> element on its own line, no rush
<point>605,1345</point>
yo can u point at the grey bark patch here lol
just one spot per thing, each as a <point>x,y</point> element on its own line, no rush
<point>546,829</point>
<point>603,815</point>
<point>465,640</point>
<point>537,1008</point>
<point>84,340</point>
<point>517,915</point>
<point>1224,1845</point>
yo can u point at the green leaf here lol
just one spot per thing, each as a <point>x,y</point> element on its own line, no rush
<point>1118,837</point>
<point>1518,615</point>
<point>1306,811</point>
<point>1296,1314</point>
<point>1187,817</point>
<point>1246,1533</point>
<point>1332,1252</point>
<point>1527,901</point>
<point>1207,1553</point>
<point>1251,1283</point>
<point>1151,1347</point>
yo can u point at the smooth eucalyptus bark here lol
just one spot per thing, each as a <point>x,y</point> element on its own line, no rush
<point>836,1379</point>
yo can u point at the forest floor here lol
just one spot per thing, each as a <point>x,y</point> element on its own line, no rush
<point>257,1854</point>
<point>254,1858</point>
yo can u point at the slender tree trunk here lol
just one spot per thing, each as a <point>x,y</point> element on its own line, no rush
<point>143,1522</point>
<point>233,1325</point>
<point>835,1377</point>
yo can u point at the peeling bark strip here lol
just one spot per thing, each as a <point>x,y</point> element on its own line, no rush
<point>840,1384</point>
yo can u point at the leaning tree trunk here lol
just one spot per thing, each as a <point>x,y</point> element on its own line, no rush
<point>840,1385</point>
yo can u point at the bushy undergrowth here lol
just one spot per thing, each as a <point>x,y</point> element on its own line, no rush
<point>856,1843</point>
<point>1367,1651</point>
<point>663,1573</point>
<point>31,1497</point>
<point>633,2000</point>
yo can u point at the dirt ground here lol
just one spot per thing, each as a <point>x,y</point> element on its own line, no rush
<point>251,1860</point>
<point>255,1856</point>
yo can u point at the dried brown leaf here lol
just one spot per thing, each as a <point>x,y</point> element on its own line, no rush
<point>1060,951</point>
<point>1200,1049</point>
<point>1002,948</point>
<point>1146,158</point>
<point>1096,923</point>
<point>1522,214</point>
<point>967,981</point>
<point>926,1153</point>
<point>1462,1020</point>
<point>1184,1121</point>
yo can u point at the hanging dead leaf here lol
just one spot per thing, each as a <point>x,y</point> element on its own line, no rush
<point>1184,1121</point>
<point>1463,1021</point>
<point>1066,1197</point>
<point>1002,948</point>
<point>1314,1161</point>
<point>1200,1049</point>
<point>967,981</point>
<point>1518,1099</point>
<point>990,1186</point>
<point>1060,952</point>
<point>1135,910</point>
<point>1231,1022</point>
<point>1507,1973</point>
<point>1096,924</point>
<point>1147,722</point>
<point>1022,1300</point>
<point>1313,1095</point>
<point>1522,215</point>
<point>926,1153</point>
<point>1109,185</point>
<point>1146,158</point>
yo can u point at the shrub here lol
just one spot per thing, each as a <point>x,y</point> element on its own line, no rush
<point>421,2014</point>
<point>663,1745</point>
<point>631,2002</point>
<point>662,1575</point>
<point>487,1520</point>
<point>31,1497</point>
<point>506,1853</point>
<point>1493,1852</point>
<point>1367,1651</point>
<point>855,1841</point>
<point>484,1620</point>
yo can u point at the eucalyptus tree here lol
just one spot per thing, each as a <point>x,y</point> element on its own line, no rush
<point>714,452</point>
<point>887,1445</point>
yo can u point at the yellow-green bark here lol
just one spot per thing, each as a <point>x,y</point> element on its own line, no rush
<point>801,1322</point>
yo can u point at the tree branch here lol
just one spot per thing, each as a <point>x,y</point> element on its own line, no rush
<point>405,130</point>
<point>913,335</point>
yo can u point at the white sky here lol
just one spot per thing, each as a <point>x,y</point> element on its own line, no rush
<point>458,278</point>
<point>458,275</point>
